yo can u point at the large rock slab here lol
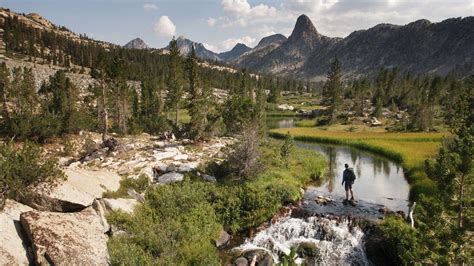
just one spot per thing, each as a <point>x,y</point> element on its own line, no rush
<point>76,193</point>
<point>67,238</point>
<point>13,250</point>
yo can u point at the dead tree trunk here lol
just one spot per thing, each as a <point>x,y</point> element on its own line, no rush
<point>461,196</point>
<point>104,115</point>
<point>412,208</point>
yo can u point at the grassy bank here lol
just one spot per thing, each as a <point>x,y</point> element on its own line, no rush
<point>282,114</point>
<point>178,222</point>
<point>409,149</point>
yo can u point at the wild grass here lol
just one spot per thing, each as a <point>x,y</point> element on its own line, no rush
<point>184,116</point>
<point>304,166</point>
<point>409,149</point>
<point>305,123</point>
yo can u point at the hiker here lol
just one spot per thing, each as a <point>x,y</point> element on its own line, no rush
<point>348,177</point>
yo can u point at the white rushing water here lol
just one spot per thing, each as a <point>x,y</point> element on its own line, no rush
<point>335,243</point>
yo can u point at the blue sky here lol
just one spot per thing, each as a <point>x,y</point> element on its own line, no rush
<point>220,24</point>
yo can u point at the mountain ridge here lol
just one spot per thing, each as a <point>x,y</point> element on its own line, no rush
<point>420,47</point>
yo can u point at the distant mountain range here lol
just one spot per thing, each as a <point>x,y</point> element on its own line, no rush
<point>419,47</point>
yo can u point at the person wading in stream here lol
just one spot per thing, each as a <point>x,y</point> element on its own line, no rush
<point>348,177</point>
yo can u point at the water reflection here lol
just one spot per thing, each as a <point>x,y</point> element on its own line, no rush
<point>379,180</point>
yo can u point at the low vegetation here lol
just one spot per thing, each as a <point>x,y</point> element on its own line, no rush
<point>24,165</point>
<point>177,223</point>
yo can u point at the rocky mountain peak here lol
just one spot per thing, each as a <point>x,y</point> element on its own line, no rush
<point>238,50</point>
<point>240,46</point>
<point>420,23</point>
<point>272,39</point>
<point>304,30</point>
<point>136,43</point>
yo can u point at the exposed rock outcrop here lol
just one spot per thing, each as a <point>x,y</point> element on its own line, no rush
<point>67,238</point>
<point>12,245</point>
<point>79,191</point>
<point>136,43</point>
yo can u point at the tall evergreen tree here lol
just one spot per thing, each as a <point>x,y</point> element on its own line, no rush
<point>333,90</point>
<point>198,102</point>
<point>62,100</point>
<point>175,88</point>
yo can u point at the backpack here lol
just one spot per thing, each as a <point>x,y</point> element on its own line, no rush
<point>351,175</point>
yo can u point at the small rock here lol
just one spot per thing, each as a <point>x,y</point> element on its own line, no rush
<point>188,167</point>
<point>223,239</point>
<point>209,178</point>
<point>375,122</point>
<point>132,193</point>
<point>384,210</point>
<point>181,157</point>
<point>401,214</point>
<point>241,261</point>
<point>285,107</point>
<point>171,177</point>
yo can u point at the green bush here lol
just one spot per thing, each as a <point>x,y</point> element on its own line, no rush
<point>175,226</point>
<point>139,185</point>
<point>25,165</point>
<point>402,242</point>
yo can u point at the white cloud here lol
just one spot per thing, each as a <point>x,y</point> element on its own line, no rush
<point>211,22</point>
<point>165,27</point>
<point>150,7</point>
<point>240,13</point>
<point>211,47</point>
<point>241,8</point>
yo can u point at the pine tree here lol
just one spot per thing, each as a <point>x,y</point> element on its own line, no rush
<point>175,90</point>
<point>198,101</point>
<point>62,100</point>
<point>333,89</point>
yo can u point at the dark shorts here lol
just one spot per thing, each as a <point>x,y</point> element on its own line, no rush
<point>347,186</point>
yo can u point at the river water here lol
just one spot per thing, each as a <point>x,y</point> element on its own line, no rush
<point>380,183</point>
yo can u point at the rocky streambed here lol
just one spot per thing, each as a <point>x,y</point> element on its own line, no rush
<point>65,223</point>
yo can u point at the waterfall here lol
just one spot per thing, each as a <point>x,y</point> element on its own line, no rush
<point>333,242</point>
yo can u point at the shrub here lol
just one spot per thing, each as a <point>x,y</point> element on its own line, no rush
<point>243,160</point>
<point>25,165</point>
<point>402,243</point>
<point>286,148</point>
<point>139,185</point>
<point>174,226</point>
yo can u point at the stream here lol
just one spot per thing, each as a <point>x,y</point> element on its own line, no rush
<point>320,240</point>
